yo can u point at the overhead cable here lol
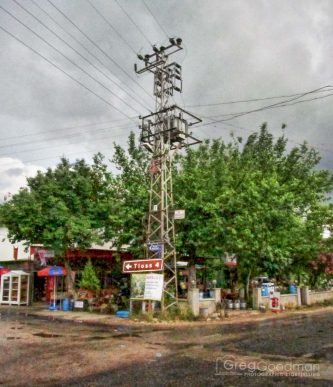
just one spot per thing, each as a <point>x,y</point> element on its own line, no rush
<point>61,129</point>
<point>156,20</point>
<point>9,154</point>
<point>98,47</point>
<point>251,100</point>
<point>120,36</point>
<point>78,53</point>
<point>282,104</point>
<point>63,71</point>
<point>61,136</point>
<point>133,22</point>
<point>118,83</point>
<point>275,105</point>
<point>64,155</point>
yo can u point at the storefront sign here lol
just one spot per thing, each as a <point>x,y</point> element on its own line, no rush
<point>153,287</point>
<point>142,265</point>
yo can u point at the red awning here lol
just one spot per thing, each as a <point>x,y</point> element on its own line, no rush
<point>3,271</point>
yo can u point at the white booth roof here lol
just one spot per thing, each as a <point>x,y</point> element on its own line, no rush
<point>15,273</point>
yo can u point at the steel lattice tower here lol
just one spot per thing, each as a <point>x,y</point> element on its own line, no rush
<point>162,133</point>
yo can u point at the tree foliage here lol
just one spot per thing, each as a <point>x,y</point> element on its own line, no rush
<point>70,206</point>
<point>89,278</point>
<point>257,200</point>
<point>321,269</point>
<point>132,186</point>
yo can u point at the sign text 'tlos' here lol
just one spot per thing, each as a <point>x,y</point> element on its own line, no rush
<point>142,265</point>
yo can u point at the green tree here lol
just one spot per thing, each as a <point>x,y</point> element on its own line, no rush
<point>321,270</point>
<point>259,201</point>
<point>89,278</point>
<point>70,206</point>
<point>132,185</point>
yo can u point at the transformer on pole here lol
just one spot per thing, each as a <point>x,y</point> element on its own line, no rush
<point>162,133</point>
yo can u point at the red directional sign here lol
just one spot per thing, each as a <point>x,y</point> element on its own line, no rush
<point>142,265</point>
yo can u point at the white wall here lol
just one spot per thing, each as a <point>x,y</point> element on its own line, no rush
<point>7,249</point>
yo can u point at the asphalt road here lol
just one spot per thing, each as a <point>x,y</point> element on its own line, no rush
<point>264,350</point>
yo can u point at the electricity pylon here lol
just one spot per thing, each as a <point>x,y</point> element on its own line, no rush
<point>162,133</point>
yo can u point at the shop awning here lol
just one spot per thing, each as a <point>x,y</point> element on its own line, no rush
<point>52,271</point>
<point>3,270</point>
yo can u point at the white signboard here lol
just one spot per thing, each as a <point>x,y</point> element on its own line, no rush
<point>78,304</point>
<point>153,287</point>
<point>179,214</point>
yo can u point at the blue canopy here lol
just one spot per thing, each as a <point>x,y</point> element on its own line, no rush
<point>52,271</point>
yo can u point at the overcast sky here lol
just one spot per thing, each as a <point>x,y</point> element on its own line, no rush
<point>89,98</point>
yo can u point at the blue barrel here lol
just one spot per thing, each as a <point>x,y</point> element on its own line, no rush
<point>66,305</point>
<point>264,290</point>
<point>292,289</point>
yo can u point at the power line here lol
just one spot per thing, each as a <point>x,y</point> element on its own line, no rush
<point>315,146</point>
<point>61,136</point>
<point>8,154</point>
<point>77,52</point>
<point>253,99</point>
<point>111,26</point>
<point>156,20</point>
<point>65,56</point>
<point>97,46</point>
<point>133,22</point>
<point>72,153</point>
<point>63,71</point>
<point>282,104</point>
<point>61,129</point>
<point>272,106</point>
<point>68,154</point>
<point>90,53</point>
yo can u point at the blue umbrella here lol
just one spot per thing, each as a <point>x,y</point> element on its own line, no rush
<point>57,270</point>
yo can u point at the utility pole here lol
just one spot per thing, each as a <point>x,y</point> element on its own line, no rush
<point>162,133</point>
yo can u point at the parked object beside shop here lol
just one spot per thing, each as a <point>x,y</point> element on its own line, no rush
<point>15,288</point>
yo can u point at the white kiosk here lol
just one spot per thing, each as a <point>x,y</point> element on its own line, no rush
<point>15,288</point>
